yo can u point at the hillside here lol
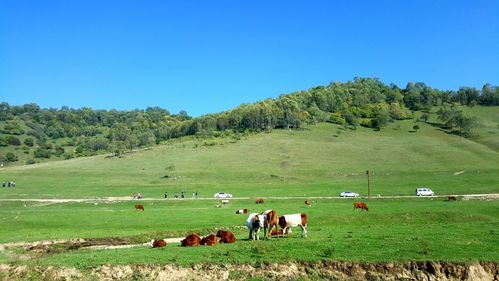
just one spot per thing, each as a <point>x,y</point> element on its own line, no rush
<point>30,134</point>
<point>317,160</point>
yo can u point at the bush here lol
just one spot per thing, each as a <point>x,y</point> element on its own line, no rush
<point>10,157</point>
<point>29,141</point>
<point>42,153</point>
<point>30,162</point>
<point>13,140</point>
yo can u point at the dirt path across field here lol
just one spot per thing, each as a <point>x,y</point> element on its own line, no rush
<point>489,196</point>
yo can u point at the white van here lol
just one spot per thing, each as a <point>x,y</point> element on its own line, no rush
<point>423,191</point>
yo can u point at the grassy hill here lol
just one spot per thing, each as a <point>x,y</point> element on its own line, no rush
<point>317,160</point>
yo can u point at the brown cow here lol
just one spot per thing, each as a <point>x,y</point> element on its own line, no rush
<point>271,220</point>
<point>242,211</point>
<point>452,198</point>
<point>158,243</point>
<point>259,201</point>
<point>139,207</point>
<point>360,205</point>
<point>226,236</point>
<point>210,240</point>
<point>191,240</point>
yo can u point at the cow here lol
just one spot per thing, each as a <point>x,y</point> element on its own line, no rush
<point>254,223</point>
<point>191,240</point>
<point>271,220</point>
<point>158,243</point>
<point>139,207</point>
<point>242,211</point>
<point>259,201</point>
<point>226,236</point>
<point>288,221</point>
<point>308,203</point>
<point>452,198</point>
<point>360,205</point>
<point>210,240</point>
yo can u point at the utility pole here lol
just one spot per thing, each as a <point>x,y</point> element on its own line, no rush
<point>368,173</point>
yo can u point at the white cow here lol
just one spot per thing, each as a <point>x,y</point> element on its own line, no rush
<point>288,221</point>
<point>254,224</point>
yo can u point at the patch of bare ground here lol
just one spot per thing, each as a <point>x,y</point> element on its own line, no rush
<point>324,270</point>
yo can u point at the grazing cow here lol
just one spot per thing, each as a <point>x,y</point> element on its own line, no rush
<point>158,243</point>
<point>308,203</point>
<point>259,201</point>
<point>226,236</point>
<point>242,211</point>
<point>191,240</point>
<point>271,220</point>
<point>360,205</point>
<point>288,221</point>
<point>452,198</point>
<point>139,207</point>
<point>254,223</point>
<point>210,240</point>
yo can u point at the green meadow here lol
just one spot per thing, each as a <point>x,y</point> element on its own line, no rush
<point>315,161</point>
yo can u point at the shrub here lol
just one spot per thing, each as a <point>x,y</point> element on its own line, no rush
<point>10,157</point>
<point>13,140</point>
<point>30,162</point>
<point>29,142</point>
<point>42,153</point>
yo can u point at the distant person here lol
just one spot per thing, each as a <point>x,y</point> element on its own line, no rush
<point>176,195</point>
<point>13,184</point>
<point>139,196</point>
<point>193,195</point>
<point>9,184</point>
<point>134,195</point>
<point>183,194</point>
<point>166,195</point>
<point>3,184</point>
<point>196,194</point>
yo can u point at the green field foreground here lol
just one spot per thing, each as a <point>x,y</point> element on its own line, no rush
<point>392,230</point>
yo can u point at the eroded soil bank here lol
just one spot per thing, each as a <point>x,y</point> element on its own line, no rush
<point>325,270</point>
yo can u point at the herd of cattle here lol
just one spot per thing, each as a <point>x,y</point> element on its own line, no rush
<point>255,222</point>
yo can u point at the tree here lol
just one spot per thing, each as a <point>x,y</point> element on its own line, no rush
<point>10,157</point>
<point>415,128</point>
<point>381,118</point>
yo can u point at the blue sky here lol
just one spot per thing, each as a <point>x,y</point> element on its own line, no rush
<point>210,56</point>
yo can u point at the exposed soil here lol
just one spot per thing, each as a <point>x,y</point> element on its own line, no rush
<point>325,270</point>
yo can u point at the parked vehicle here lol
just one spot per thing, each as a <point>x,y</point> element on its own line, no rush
<point>349,194</point>
<point>423,191</point>
<point>219,195</point>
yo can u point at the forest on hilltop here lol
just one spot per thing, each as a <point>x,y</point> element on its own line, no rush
<point>30,132</point>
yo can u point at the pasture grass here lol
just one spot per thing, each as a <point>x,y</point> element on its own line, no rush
<point>393,230</point>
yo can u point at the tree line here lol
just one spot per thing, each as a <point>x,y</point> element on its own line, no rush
<point>361,102</point>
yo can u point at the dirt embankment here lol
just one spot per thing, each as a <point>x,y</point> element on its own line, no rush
<point>325,270</point>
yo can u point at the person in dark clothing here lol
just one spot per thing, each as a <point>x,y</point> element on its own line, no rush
<point>166,195</point>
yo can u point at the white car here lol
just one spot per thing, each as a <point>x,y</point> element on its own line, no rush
<point>222,195</point>
<point>349,194</point>
<point>423,191</point>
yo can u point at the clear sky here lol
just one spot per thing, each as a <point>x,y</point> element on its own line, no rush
<point>209,56</point>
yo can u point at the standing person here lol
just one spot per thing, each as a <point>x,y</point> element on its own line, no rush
<point>166,195</point>
<point>183,194</point>
<point>134,195</point>
<point>193,195</point>
<point>3,184</point>
<point>176,195</point>
<point>139,196</point>
<point>196,194</point>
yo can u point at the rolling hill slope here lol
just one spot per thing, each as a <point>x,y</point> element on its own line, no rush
<point>319,160</point>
